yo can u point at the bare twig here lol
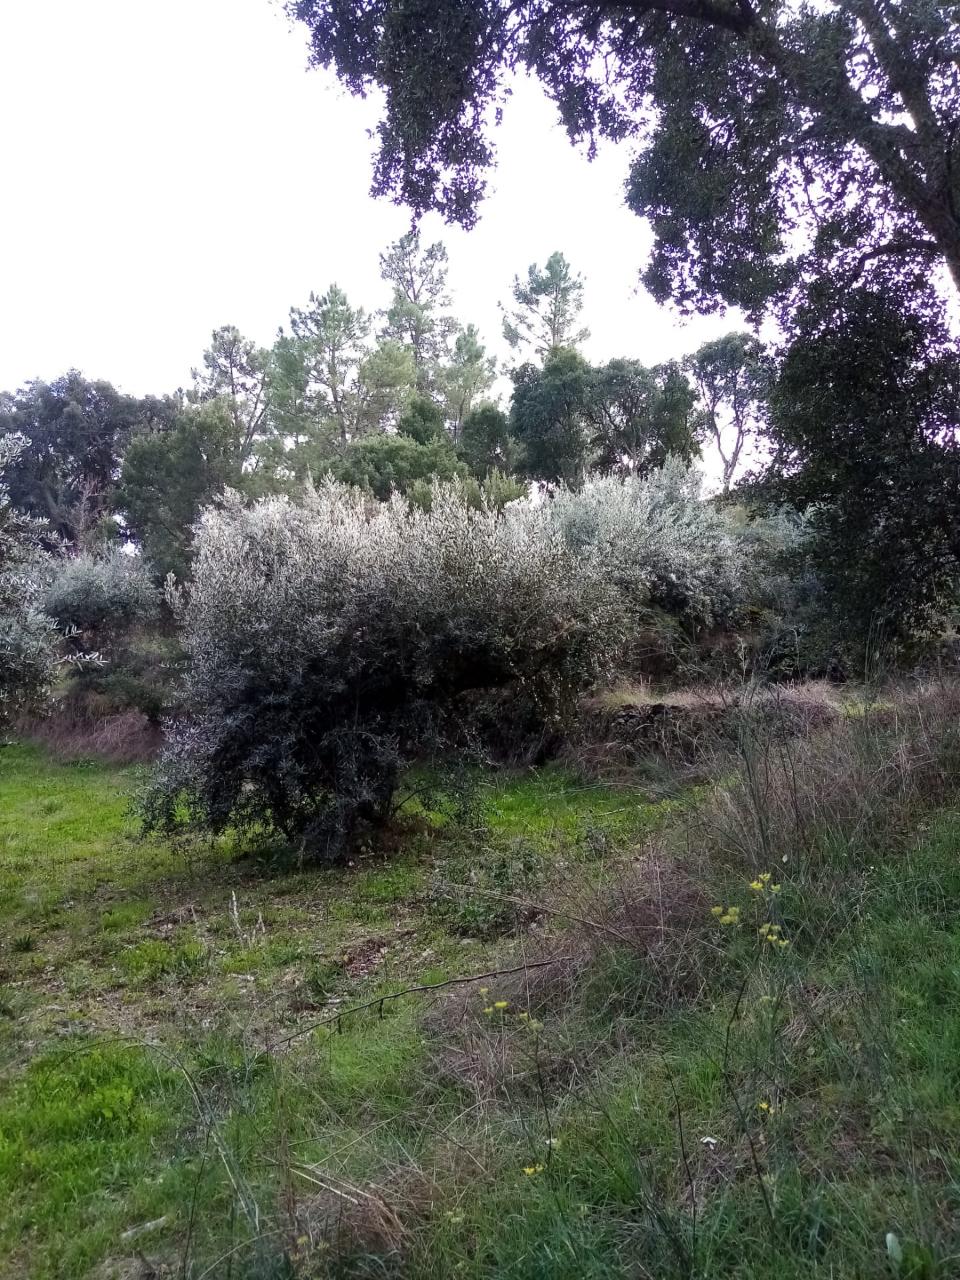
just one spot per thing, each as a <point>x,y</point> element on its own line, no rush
<point>426,986</point>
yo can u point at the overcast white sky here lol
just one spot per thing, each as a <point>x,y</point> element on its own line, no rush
<point>170,167</point>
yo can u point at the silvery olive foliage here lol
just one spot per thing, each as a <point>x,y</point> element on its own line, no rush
<point>108,607</point>
<point>661,544</point>
<point>103,593</point>
<point>334,641</point>
<point>28,638</point>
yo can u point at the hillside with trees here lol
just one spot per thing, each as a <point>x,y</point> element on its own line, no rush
<point>482,818</point>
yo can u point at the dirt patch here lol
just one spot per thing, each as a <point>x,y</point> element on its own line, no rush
<point>366,956</point>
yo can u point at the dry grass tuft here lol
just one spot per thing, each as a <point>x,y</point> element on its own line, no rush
<point>636,946</point>
<point>660,911</point>
<point>343,1219</point>
<point>685,727</point>
<point>125,737</point>
<point>859,778</point>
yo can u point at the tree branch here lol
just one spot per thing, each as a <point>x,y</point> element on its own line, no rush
<point>427,986</point>
<point>739,21</point>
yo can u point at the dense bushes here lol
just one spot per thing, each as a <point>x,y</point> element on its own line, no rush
<point>703,583</point>
<point>28,651</point>
<point>102,595</point>
<point>109,608</point>
<point>330,643</point>
<point>28,654</point>
<point>659,543</point>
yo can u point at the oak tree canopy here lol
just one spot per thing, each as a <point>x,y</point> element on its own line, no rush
<point>771,140</point>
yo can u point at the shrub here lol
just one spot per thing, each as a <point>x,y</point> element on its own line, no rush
<point>28,657</point>
<point>796,617</point>
<point>331,643</point>
<point>102,595</point>
<point>109,606</point>
<point>494,492</point>
<point>661,544</point>
<point>28,640</point>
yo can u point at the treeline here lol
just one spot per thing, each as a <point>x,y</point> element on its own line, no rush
<point>854,415</point>
<point>387,401</point>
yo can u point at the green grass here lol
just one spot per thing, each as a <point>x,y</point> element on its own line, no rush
<point>810,1112</point>
<point>84,1133</point>
<point>547,806</point>
<point>130,967</point>
<point>789,1114</point>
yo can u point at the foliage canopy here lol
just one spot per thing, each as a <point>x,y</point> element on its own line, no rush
<point>864,428</point>
<point>774,139</point>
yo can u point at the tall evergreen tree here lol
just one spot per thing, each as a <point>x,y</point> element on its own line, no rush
<point>332,381</point>
<point>418,317</point>
<point>545,308</point>
<point>236,368</point>
<point>333,339</point>
<point>466,378</point>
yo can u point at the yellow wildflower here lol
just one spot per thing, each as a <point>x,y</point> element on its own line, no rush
<point>762,883</point>
<point>501,1004</point>
<point>484,991</point>
<point>762,1105</point>
<point>488,1009</point>
<point>531,1169</point>
<point>731,916</point>
<point>716,911</point>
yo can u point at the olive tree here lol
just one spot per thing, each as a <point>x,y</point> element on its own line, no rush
<point>28,637</point>
<point>333,641</point>
<point>660,544</point>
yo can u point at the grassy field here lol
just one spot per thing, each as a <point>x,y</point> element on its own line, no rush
<point>740,1059</point>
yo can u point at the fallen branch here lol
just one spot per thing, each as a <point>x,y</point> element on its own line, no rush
<point>407,991</point>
